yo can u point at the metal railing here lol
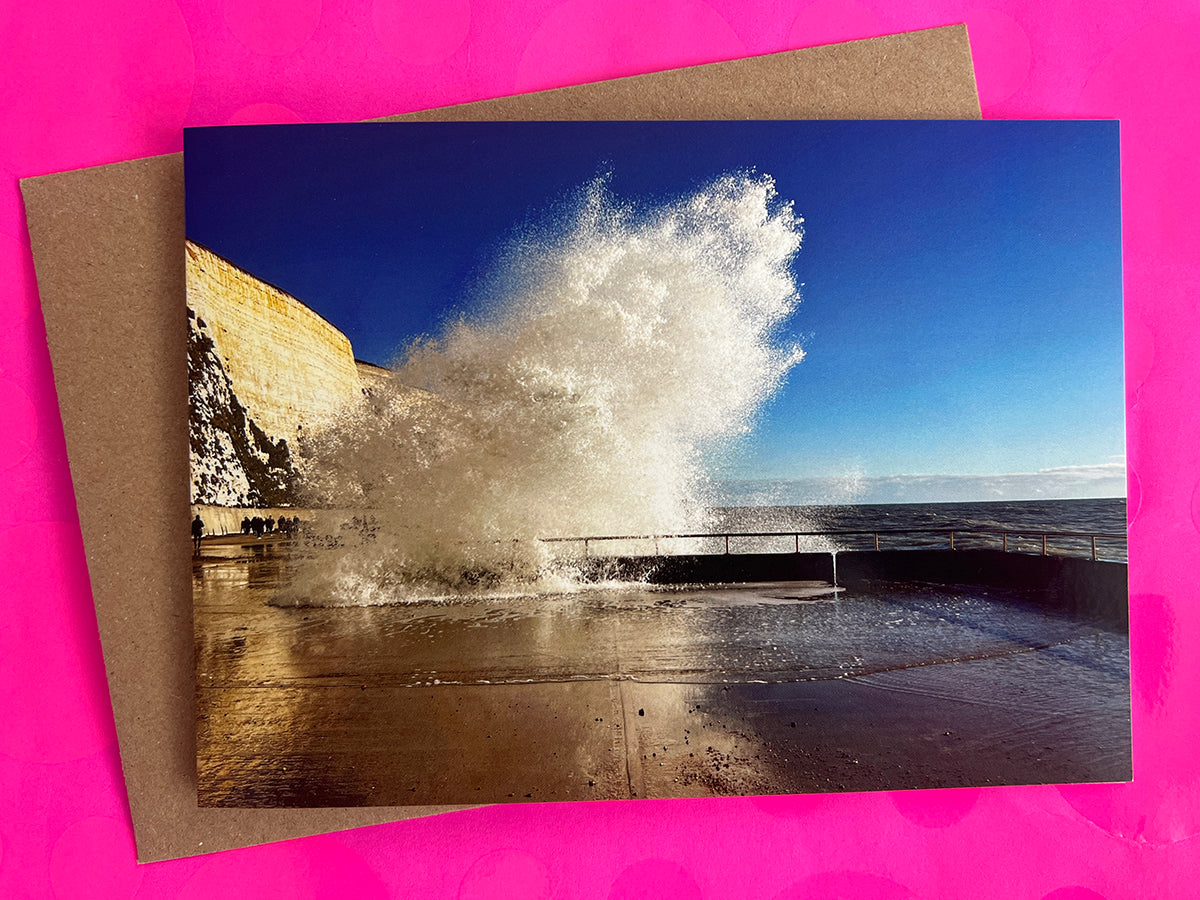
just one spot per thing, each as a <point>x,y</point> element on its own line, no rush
<point>1038,536</point>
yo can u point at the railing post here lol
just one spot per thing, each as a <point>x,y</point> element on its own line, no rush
<point>1093,548</point>
<point>1005,537</point>
<point>797,536</point>
<point>656,545</point>
<point>726,545</point>
<point>585,548</point>
<point>1043,543</point>
<point>952,540</point>
<point>876,541</point>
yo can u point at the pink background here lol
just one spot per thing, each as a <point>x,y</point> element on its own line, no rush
<point>97,81</point>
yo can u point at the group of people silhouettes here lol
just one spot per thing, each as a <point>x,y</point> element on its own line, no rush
<point>257,526</point>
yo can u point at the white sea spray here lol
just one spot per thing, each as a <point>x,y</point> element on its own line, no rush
<point>620,351</point>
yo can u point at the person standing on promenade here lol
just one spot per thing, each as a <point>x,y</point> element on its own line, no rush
<point>197,534</point>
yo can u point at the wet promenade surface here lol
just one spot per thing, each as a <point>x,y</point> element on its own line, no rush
<point>785,687</point>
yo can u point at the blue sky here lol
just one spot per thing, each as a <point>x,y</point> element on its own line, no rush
<point>961,290</point>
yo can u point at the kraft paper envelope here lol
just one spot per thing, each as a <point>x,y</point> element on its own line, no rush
<point>108,249</point>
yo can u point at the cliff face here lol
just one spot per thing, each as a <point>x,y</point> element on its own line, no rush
<point>291,369</point>
<point>234,462</point>
<point>373,378</point>
<point>264,369</point>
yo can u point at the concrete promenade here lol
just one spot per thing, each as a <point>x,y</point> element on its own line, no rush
<point>769,687</point>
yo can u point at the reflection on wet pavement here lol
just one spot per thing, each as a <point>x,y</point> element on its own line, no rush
<point>765,688</point>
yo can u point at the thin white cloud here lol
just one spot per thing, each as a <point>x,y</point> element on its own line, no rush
<point>1100,470</point>
<point>1057,483</point>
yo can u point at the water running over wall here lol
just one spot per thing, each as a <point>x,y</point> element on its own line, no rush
<point>620,351</point>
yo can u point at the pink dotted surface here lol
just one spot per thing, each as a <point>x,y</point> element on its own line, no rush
<point>98,81</point>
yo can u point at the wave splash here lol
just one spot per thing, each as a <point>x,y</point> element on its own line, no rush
<point>619,350</point>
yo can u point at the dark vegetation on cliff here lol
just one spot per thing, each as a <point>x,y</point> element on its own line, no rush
<point>234,462</point>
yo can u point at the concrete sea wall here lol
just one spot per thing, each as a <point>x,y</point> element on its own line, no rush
<point>1081,586</point>
<point>220,520</point>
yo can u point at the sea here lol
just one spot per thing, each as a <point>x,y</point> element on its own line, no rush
<point>1067,524</point>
